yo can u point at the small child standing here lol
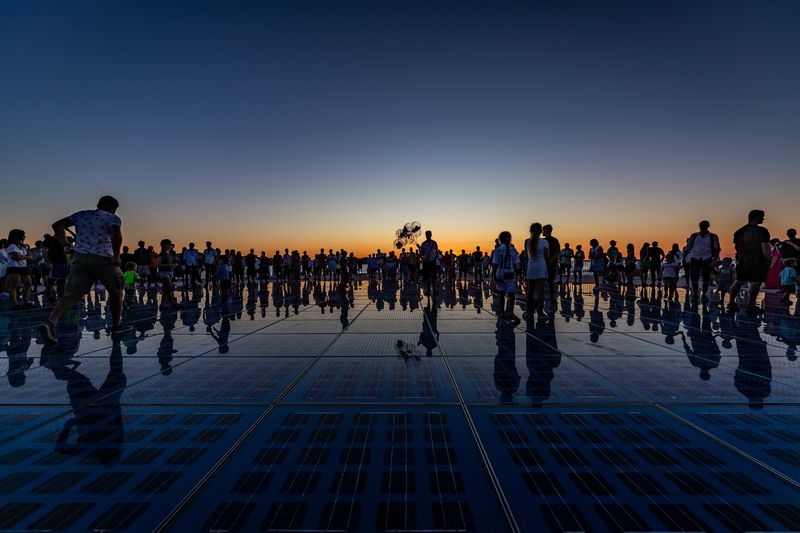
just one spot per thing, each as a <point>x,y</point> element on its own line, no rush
<point>726,276</point>
<point>130,278</point>
<point>669,275</point>
<point>788,280</point>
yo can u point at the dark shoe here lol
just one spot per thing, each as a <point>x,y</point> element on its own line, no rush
<point>48,333</point>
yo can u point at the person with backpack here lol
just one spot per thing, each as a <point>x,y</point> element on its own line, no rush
<point>505,259</point>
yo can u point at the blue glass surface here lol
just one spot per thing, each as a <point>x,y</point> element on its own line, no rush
<point>309,408</point>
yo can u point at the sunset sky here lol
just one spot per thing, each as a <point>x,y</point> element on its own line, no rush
<point>309,124</point>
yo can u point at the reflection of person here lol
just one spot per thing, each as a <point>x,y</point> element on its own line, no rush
<point>597,323</point>
<point>506,377</point>
<point>19,340</point>
<point>541,357</point>
<point>753,376</point>
<point>703,353</point>
<point>345,297</point>
<point>430,331</point>
<point>97,414</point>
<point>222,334</point>
<point>505,260</point>
<point>166,345</point>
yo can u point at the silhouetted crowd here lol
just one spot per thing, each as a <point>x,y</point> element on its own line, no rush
<point>85,250</point>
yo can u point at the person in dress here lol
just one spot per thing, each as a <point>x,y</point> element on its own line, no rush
<point>538,254</point>
<point>775,266</point>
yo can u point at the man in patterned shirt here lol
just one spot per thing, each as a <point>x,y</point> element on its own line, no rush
<point>95,258</point>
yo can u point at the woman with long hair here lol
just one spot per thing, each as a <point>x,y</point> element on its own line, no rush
<point>538,254</point>
<point>775,267</point>
<point>17,268</point>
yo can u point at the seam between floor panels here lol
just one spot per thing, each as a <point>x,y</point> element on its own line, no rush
<point>738,451</point>
<point>167,521</point>
<point>484,456</point>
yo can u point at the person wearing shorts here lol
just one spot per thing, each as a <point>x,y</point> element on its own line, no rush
<point>752,258</point>
<point>505,259</point>
<point>96,257</point>
<point>565,263</point>
<point>429,251</point>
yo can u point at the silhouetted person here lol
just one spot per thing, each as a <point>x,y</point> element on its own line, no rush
<point>752,258</point>
<point>429,251</point>
<point>703,247</point>
<point>98,239</point>
<point>541,357</point>
<point>506,377</point>
<point>554,251</point>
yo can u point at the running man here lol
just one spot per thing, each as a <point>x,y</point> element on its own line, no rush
<point>98,240</point>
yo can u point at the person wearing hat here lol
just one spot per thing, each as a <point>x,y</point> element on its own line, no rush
<point>96,257</point>
<point>166,264</point>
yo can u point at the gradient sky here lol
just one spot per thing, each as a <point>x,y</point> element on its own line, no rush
<point>309,124</point>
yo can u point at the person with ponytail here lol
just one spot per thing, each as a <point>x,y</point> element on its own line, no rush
<point>505,260</point>
<point>538,254</point>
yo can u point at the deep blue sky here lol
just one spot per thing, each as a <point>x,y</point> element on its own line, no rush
<point>230,120</point>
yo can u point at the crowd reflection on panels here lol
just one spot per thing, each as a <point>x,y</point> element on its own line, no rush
<point>703,333</point>
<point>386,346</point>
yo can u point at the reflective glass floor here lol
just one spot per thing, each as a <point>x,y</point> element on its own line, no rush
<point>305,408</point>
